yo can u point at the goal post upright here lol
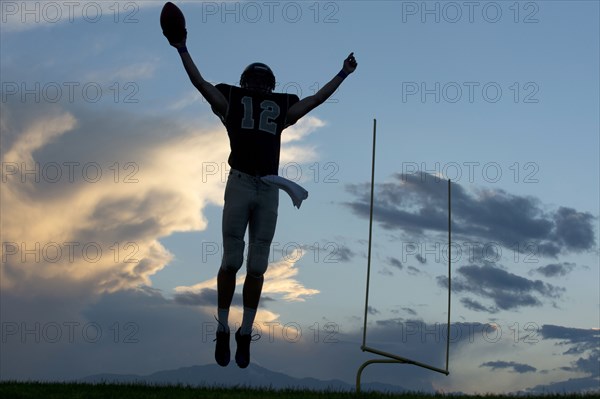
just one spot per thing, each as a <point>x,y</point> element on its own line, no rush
<point>449,273</point>
<point>364,340</point>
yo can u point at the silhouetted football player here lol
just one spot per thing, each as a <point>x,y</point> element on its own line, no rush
<point>254,117</point>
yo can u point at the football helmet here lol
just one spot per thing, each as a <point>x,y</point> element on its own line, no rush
<point>258,76</point>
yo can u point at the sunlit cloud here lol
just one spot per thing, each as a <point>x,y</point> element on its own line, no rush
<point>101,230</point>
<point>302,128</point>
<point>280,279</point>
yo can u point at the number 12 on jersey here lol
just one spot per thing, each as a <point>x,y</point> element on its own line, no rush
<point>269,112</point>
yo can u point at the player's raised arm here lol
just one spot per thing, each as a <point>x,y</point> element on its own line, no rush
<point>214,97</point>
<point>172,22</point>
<point>307,104</point>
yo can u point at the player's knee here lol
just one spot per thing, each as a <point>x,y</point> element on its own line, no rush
<point>258,260</point>
<point>257,270</point>
<point>233,255</point>
<point>232,263</point>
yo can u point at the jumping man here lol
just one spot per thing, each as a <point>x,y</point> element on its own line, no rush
<point>254,117</point>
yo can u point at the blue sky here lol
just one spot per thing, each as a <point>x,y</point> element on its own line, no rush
<point>118,229</point>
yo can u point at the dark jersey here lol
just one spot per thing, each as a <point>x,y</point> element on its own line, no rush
<point>254,123</point>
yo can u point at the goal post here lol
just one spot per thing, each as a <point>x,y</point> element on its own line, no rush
<point>390,357</point>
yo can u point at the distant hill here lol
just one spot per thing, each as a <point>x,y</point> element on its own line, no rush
<point>254,377</point>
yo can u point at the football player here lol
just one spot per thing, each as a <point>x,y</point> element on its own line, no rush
<point>254,117</point>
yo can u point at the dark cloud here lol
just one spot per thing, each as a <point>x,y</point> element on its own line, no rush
<point>585,385</point>
<point>555,269</point>
<point>512,366</point>
<point>372,310</point>
<point>395,262</point>
<point>343,253</point>
<point>386,272</point>
<point>395,322</point>
<point>410,311</point>
<point>578,340</point>
<point>574,229</point>
<point>476,306</point>
<point>507,290</point>
<point>416,203</point>
<point>421,259</point>
<point>328,250</point>
<point>135,331</point>
<point>589,365</point>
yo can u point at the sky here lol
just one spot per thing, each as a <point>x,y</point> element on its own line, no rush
<point>114,167</point>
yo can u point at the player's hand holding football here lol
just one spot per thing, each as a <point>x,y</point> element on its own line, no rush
<point>172,22</point>
<point>180,43</point>
<point>349,64</point>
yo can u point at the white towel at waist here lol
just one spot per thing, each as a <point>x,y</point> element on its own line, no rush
<point>296,192</point>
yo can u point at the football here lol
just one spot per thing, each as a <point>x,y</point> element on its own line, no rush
<point>172,23</point>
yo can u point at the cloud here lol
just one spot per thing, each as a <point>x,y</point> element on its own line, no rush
<point>291,153</point>
<point>582,343</point>
<point>332,251</point>
<point>410,311</point>
<point>208,297</point>
<point>507,290</point>
<point>18,17</point>
<point>373,311</point>
<point>121,182</point>
<point>511,366</point>
<point>124,180</point>
<point>280,279</point>
<point>416,203</point>
<point>555,269</point>
<point>476,306</point>
<point>124,73</point>
<point>344,254</point>
<point>578,340</point>
<point>302,129</point>
<point>574,229</point>
<point>395,262</point>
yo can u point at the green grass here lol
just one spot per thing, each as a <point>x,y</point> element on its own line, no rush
<point>18,390</point>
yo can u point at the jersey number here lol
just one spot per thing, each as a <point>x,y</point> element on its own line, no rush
<point>270,112</point>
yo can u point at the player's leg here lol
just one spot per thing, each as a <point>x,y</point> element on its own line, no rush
<point>235,219</point>
<point>262,223</point>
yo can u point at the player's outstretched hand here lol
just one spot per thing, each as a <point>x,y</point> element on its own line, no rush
<point>350,64</point>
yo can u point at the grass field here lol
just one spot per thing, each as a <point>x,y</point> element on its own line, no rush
<point>134,391</point>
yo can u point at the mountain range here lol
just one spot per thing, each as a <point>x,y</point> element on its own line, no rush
<point>254,376</point>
